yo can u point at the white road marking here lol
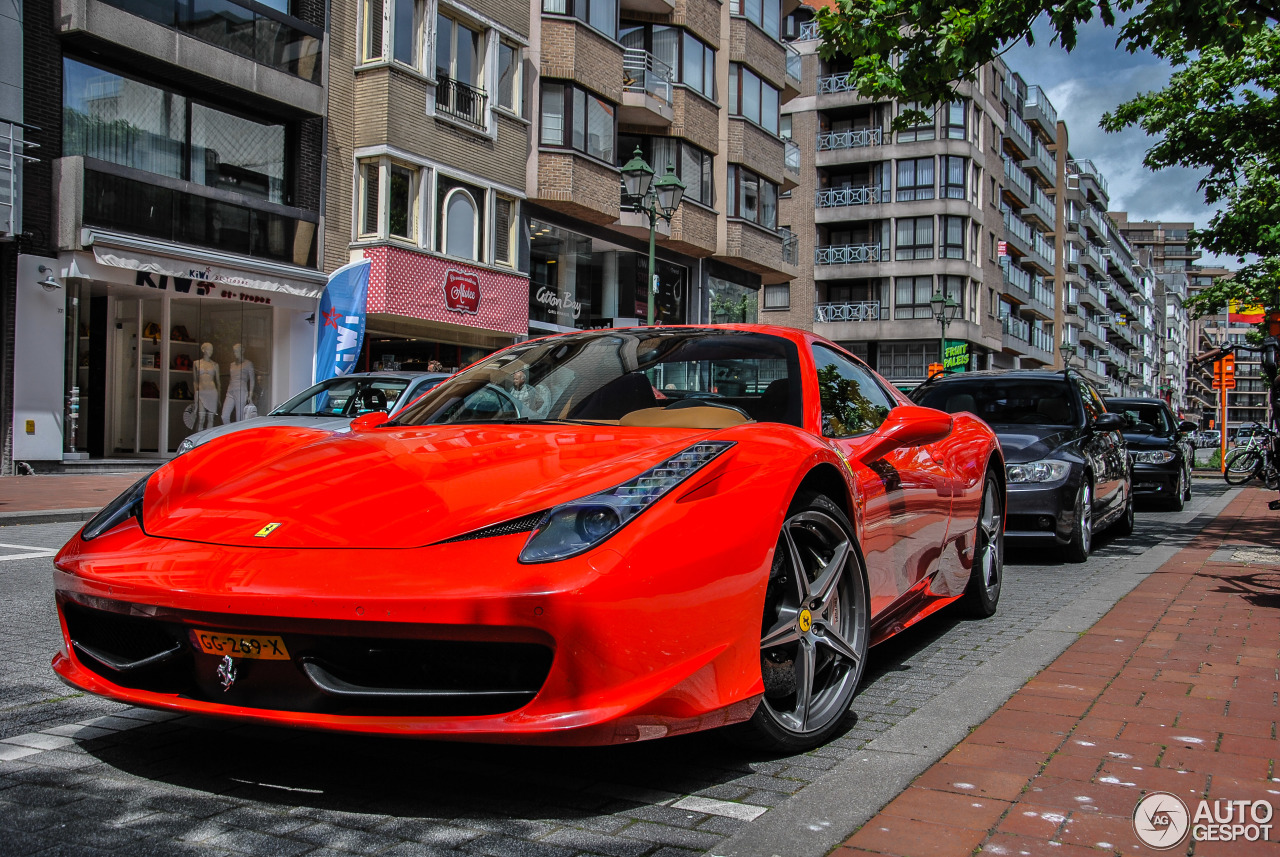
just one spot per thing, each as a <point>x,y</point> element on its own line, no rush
<point>729,809</point>
<point>29,552</point>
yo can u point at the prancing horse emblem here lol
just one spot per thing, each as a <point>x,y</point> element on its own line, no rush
<point>227,672</point>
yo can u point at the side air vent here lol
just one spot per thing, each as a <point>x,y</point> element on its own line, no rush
<point>506,528</point>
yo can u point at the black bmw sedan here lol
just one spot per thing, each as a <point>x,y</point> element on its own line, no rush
<point>1161,449</point>
<point>1067,467</point>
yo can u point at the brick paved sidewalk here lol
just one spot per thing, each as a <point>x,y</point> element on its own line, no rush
<point>43,493</point>
<point>1174,690</point>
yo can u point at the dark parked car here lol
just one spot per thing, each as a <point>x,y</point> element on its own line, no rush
<point>1067,465</point>
<point>1161,449</point>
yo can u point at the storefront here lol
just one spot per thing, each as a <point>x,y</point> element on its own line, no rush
<point>150,348</point>
<point>425,308</point>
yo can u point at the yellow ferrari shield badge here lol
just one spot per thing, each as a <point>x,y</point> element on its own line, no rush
<point>806,621</point>
<point>266,531</point>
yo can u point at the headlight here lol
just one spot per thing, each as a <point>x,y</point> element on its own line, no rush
<point>1038,471</point>
<point>576,527</point>
<point>127,505</point>
<point>186,446</point>
<point>1162,456</point>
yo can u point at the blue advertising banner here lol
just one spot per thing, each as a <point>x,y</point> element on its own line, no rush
<point>341,320</point>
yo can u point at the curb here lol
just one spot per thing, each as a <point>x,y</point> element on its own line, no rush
<point>46,516</point>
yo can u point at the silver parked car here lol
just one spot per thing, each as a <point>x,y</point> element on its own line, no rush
<point>333,403</point>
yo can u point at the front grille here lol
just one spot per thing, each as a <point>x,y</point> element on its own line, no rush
<point>506,528</point>
<point>327,673</point>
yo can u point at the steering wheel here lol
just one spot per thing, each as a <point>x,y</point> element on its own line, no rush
<point>706,403</point>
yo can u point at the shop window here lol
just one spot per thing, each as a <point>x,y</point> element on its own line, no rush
<point>752,197</point>
<point>765,14</point>
<point>954,171</point>
<point>777,296</point>
<point>915,179</point>
<point>402,193</point>
<point>601,15</point>
<point>752,98</point>
<point>911,297</point>
<point>577,119</point>
<point>852,402</point>
<point>509,78</point>
<point>504,230</point>
<point>917,133</point>
<point>915,238</point>
<point>124,121</point>
<point>367,213</point>
<point>952,245</point>
<point>957,126</point>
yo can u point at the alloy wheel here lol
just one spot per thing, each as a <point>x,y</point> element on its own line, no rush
<point>991,548</point>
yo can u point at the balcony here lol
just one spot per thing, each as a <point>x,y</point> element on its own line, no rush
<point>462,101</point>
<point>834,84</point>
<point>1017,185</point>
<point>1042,162</point>
<point>1038,110</point>
<point>1088,178</point>
<point>809,32</point>
<point>791,157</point>
<point>646,89</point>
<point>847,312</point>
<point>651,7</point>
<point>838,197</point>
<point>123,199</point>
<point>761,250</point>
<point>1017,134</point>
<point>1090,258</point>
<point>842,147</point>
<point>1016,334</point>
<point>847,254</point>
<point>12,157</point>
<point>578,186</point>
<point>790,246</point>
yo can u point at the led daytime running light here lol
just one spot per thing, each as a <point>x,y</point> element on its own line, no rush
<point>1160,456</point>
<point>127,505</point>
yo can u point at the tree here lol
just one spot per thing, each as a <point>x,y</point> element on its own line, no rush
<point>1218,113</point>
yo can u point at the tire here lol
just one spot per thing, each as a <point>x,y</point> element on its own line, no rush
<point>983,592</point>
<point>1181,490</point>
<point>814,630</point>
<point>1242,465</point>
<point>1124,526</point>
<point>1187,495</point>
<point>1082,531</point>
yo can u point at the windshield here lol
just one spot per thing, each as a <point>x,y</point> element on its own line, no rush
<point>614,375</point>
<point>346,396</point>
<point>1143,418</point>
<point>1005,401</point>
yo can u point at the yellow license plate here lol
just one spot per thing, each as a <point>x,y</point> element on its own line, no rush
<point>253,646</point>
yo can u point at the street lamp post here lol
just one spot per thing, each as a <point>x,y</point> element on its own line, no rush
<point>945,310</point>
<point>658,198</point>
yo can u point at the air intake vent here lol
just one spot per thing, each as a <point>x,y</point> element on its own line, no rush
<point>516,525</point>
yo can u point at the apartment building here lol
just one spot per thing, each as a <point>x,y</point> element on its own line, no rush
<point>172,220</point>
<point>695,87</point>
<point>1247,403</point>
<point>426,152</point>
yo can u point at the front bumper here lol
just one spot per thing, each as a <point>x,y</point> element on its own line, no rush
<point>1041,510</point>
<point>1156,480</point>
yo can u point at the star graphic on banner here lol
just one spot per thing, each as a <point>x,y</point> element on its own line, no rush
<point>331,318</point>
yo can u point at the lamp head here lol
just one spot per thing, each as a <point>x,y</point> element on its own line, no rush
<point>637,175</point>
<point>48,283</point>
<point>670,191</point>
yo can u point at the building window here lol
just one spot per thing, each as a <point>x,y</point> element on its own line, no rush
<point>692,62</point>
<point>504,230</point>
<point>915,238</point>
<point>957,127</point>
<point>367,209</point>
<point>915,179</point>
<point>601,15</point>
<point>953,287</point>
<point>461,213</point>
<point>371,30</point>
<point>777,296</point>
<point>692,165</point>
<point>954,172</point>
<point>406,32</point>
<point>924,131</point>
<point>905,360</point>
<point>577,119</point>
<point>765,14</point>
<point>752,98</point>
<point>402,193</point>
<point>952,245</point>
<point>911,297</point>
<point>459,71</point>
<point>134,124</point>
<point>509,82</point>
<point>752,198</point>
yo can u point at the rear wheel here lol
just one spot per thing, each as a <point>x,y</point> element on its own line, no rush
<point>814,631</point>
<point>1082,533</point>
<point>1242,465</point>
<point>983,592</point>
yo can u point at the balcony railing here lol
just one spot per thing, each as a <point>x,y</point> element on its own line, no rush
<point>834,197</point>
<point>1087,168</point>
<point>847,254</point>
<point>809,31</point>
<point>793,62</point>
<point>461,100</point>
<point>248,29</point>
<point>11,159</point>
<point>1015,327</point>
<point>790,246</point>
<point>1018,129</point>
<point>831,84</point>
<point>129,200</point>
<point>1041,339</point>
<point>1037,101</point>
<point>850,139</point>
<point>855,311</point>
<point>643,72</point>
<point>791,157</point>
<point>1014,174</point>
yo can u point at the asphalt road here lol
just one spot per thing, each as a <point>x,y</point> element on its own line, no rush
<point>79,775</point>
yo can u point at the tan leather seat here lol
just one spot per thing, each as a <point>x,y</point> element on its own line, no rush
<point>700,418</point>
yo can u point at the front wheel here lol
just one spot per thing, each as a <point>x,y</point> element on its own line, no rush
<point>814,631</point>
<point>1242,465</point>
<point>983,592</point>
<point>1082,533</point>
<point>1178,499</point>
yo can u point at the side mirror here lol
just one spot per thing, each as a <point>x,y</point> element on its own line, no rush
<point>371,420</point>
<point>906,426</point>
<point>1109,422</point>
<point>1186,426</point>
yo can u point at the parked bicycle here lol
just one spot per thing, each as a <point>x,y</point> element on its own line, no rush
<point>1255,458</point>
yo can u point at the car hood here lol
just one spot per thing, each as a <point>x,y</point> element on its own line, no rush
<point>389,488</point>
<point>1031,443</point>
<point>316,422</point>
<point>1142,440</point>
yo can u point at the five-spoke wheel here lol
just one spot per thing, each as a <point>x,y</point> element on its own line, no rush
<point>983,592</point>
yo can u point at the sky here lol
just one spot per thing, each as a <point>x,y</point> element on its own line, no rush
<point>1091,80</point>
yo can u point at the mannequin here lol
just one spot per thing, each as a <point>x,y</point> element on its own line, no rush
<point>239,386</point>
<point>206,385</point>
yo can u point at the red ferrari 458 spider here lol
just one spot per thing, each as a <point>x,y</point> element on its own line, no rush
<point>590,538</point>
